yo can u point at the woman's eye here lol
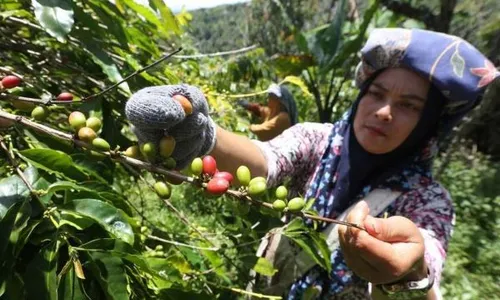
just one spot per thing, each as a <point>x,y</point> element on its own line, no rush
<point>377,95</point>
<point>409,105</point>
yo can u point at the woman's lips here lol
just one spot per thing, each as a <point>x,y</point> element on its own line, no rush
<point>375,130</point>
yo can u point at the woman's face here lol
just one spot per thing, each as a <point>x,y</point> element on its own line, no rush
<point>273,101</point>
<point>390,110</point>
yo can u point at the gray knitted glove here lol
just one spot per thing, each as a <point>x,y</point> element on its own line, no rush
<point>154,113</point>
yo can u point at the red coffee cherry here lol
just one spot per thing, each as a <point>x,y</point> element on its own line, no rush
<point>10,81</point>
<point>226,175</point>
<point>209,165</point>
<point>217,186</point>
<point>65,96</point>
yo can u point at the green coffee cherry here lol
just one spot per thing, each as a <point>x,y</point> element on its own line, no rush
<point>166,146</point>
<point>77,120</point>
<point>279,205</point>
<point>86,134</point>
<point>149,151</point>
<point>257,179</point>
<point>197,166</point>
<point>296,204</point>
<point>281,192</point>
<point>132,151</point>
<point>40,113</point>
<point>101,144</point>
<point>244,176</point>
<point>170,163</point>
<point>257,188</point>
<point>94,123</point>
<point>162,189</point>
<point>97,155</point>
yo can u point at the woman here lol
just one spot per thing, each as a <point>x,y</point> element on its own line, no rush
<point>415,85</point>
<point>279,114</point>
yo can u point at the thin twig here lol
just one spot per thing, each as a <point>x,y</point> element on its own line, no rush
<point>240,291</point>
<point>243,196</point>
<point>152,237</point>
<point>222,53</point>
<point>131,75</point>
<point>173,175</point>
<point>88,98</point>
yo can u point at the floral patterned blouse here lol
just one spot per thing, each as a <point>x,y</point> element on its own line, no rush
<point>295,155</point>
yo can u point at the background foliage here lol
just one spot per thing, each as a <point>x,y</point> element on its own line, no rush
<point>97,219</point>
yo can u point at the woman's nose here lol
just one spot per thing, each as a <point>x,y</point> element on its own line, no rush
<point>384,113</point>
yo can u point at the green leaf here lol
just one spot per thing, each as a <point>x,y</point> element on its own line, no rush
<point>324,41</point>
<point>100,57</point>
<point>112,219</point>
<point>25,235</point>
<point>110,273</point>
<point>298,82</point>
<point>15,288</point>
<point>12,190</point>
<point>147,13</point>
<point>7,224</point>
<point>41,273</point>
<point>309,203</point>
<point>66,185</point>
<point>91,189</point>
<point>15,13</point>
<point>55,162</point>
<point>111,17</point>
<point>168,19</point>
<point>352,47</point>
<point>55,16</point>
<point>292,64</point>
<point>22,219</point>
<point>38,182</point>
<point>75,220</point>
<point>311,241</point>
<point>166,271</point>
<point>69,287</point>
<point>117,248</point>
<point>136,66</point>
<point>458,64</point>
<point>175,294</point>
<point>259,265</point>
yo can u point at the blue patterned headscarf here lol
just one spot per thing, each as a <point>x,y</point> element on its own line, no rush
<point>458,74</point>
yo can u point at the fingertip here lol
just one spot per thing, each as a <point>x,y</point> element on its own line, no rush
<point>363,206</point>
<point>342,230</point>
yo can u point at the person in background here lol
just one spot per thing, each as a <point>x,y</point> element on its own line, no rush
<point>279,114</point>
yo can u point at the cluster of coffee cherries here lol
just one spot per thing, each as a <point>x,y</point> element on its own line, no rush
<point>38,113</point>
<point>218,183</point>
<point>86,130</point>
<point>149,151</point>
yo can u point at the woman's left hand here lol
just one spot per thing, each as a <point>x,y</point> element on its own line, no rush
<point>389,250</point>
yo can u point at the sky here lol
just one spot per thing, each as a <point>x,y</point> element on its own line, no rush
<point>177,5</point>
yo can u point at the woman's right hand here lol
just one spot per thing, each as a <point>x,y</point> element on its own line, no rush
<point>154,113</point>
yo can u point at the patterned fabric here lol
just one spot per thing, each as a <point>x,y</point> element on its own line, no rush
<point>296,155</point>
<point>309,154</point>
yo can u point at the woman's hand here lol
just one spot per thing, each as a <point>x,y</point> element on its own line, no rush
<point>390,250</point>
<point>154,112</point>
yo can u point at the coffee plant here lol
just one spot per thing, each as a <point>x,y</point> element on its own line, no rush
<point>72,225</point>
